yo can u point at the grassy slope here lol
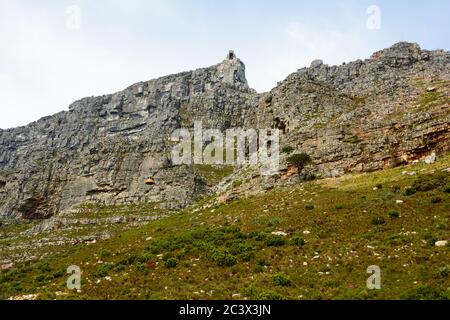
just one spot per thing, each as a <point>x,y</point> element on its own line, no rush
<point>229,249</point>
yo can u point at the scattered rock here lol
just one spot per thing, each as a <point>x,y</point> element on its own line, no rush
<point>316,63</point>
<point>442,243</point>
<point>6,266</point>
<point>25,297</point>
<point>280,233</point>
<point>431,158</point>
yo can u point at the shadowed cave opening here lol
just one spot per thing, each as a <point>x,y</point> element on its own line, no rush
<point>35,208</point>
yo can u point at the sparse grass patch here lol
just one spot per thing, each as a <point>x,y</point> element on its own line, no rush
<point>442,226</point>
<point>427,293</point>
<point>444,272</point>
<point>352,140</point>
<point>409,192</point>
<point>429,98</point>
<point>435,200</point>
<point>432,181</point>
<point>431,239</point>
<point>258,294</point>
<point>104,254</point>
<point>214,174</point>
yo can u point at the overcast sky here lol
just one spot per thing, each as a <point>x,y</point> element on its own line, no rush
<point>53,52</point>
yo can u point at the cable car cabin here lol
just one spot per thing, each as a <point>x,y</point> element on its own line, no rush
<point>150,181</point>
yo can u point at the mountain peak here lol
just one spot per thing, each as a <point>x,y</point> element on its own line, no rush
<point>401,54</point>
<point>232,70</point>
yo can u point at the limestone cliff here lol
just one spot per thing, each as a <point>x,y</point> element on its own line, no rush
<point>366,115</point>
<point>104,148</point>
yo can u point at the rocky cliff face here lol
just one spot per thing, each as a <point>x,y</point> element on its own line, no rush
<point>366,115</point>
<point>104,148</point>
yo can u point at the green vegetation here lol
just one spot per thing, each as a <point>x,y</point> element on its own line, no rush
<point>281,280</point>
<point>435,200</point>
<point>359,101</point>
<point>298,241</point>
<point>394,214</point>
<point>237,183</point>
<point>214,252</point>
<point>287,149</point>
<point>429,98</point>
<point>214,174</point>
<point>378,221</point>
<point>299,160</point>
<point>352,140</point>
<point>171,263</point>
<point>275,241</point>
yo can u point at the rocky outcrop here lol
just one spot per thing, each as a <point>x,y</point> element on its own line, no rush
<point>104,148</point>
<point>362,116</point>
<point>367,115</point>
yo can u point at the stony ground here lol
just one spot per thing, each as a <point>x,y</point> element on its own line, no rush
<point>307,241</point>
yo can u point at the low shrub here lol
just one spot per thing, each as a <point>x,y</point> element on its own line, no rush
<point>281,280</point>
<point>377,221</point>
<point>444,272</point>
<point>431,182</point>
<point>275,241</point>
<point>103,270</point>
<point>427,293</point>
<point>436,200</point>
<point>298,241</point>
<point>258,269</point>
<point>446,189</point>
<point>143,258</point>
<point>394,214</point>
<point>409,192</point>
<point>287,149</point>
<point>223,258</point>
<point>171,263</point>
<point>105,254</point>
